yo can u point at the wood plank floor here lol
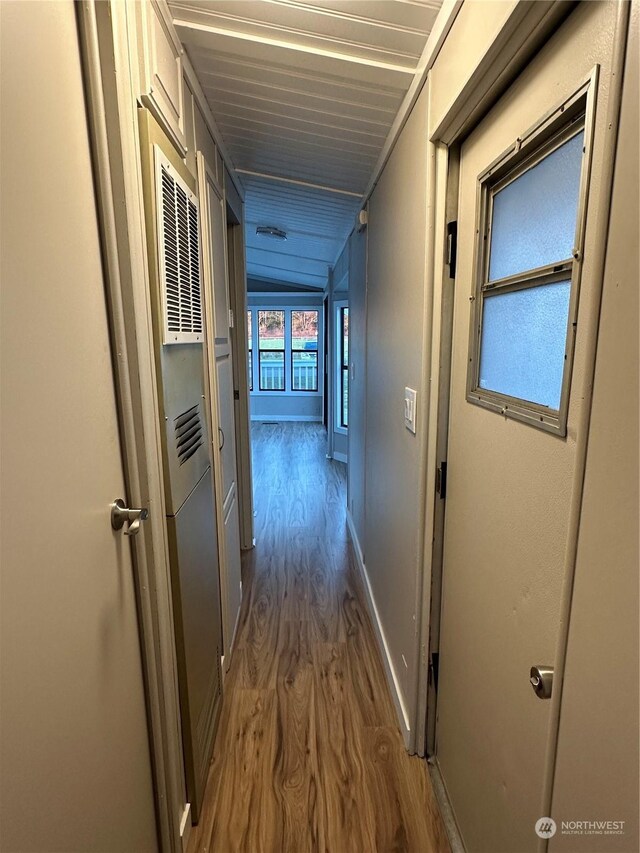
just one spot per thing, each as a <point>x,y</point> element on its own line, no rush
<point>308,756</point>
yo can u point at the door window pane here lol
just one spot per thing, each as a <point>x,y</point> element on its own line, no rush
<point>271,350</point>
<point>304,350</point>
<point>524,335</point>
<point>534,217</point>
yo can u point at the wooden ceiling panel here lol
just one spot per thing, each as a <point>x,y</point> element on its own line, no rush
<point>230,71</point>
<point>314,27</point>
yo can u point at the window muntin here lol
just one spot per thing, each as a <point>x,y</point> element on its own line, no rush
<point>271,350</point>
<point>569,129</point>
<point>304,350</point>
<point>344,367</point>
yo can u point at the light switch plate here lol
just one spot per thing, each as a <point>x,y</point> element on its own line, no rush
<point>410,409</point>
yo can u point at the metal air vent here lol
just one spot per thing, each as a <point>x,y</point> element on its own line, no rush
<point>188,433</point>
<point>178,255</point>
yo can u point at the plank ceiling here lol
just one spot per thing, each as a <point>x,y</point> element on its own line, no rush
<point>304,94</point>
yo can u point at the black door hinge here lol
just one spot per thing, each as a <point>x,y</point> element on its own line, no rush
<point>452,247</point>
<point>434,666</point>
<point>441,480</point>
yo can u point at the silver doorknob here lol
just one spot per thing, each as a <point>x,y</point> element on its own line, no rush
<point>541,678</point>
<point>121,514</point>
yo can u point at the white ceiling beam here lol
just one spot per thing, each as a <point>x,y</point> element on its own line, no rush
<point>335,55</point>
<point>282,179</point>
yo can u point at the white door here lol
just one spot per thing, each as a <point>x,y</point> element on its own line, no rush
<point>525,285</point>
<point>76,772</point>
<point>220,370</point>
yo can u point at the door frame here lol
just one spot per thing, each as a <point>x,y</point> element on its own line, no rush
<point>517,44</point>
<point>106,32</point>
<point>236,270</point>
<point>205,175</point>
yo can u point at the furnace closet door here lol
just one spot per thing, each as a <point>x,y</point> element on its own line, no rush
<point>529,207</point>
<point>220,368</point>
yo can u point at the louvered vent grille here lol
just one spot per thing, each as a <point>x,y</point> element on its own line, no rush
<point>179,259</point>
<point>188,433</point>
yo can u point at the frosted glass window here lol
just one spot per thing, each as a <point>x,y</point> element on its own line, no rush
<point>524,335</point>
<point>534,217</point>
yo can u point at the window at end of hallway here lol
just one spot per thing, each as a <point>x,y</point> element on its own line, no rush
<point>527,273</point>
<point>271,349</point>
<point>304,350</point>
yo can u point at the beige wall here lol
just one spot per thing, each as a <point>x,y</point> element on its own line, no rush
<point>477,25</point>
<point>357,246</point>
<point>597,764</point>
<point>395,321</point>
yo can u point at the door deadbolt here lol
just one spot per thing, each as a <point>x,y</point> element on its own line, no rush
<point>541,678</point>
<point>120,514</point>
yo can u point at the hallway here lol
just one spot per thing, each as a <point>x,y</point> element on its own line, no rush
<point>308,755</point>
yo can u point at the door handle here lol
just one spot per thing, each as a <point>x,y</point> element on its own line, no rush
<point>541,678</point>
<point>121,514</point>
<point>221,435</point>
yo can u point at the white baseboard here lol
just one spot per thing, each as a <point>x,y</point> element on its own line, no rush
<point>392,680</point>
<point>340,457</point>
<point>316,419</point>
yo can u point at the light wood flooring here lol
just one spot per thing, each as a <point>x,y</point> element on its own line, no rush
<point>308,755</point>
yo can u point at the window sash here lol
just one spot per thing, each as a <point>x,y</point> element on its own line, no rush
<point>294,387</point>
<point>562,124</point>
<point>344,397</point>
<point>284,378</point>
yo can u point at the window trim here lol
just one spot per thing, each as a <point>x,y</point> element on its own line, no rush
<point>574,114</point>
